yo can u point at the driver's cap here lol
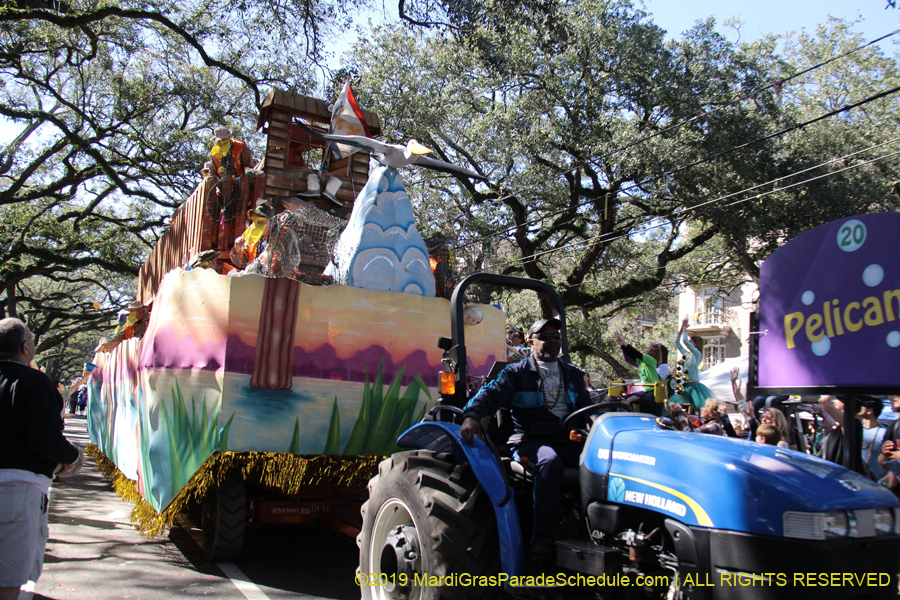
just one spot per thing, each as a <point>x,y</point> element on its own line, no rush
<point>541,323</point>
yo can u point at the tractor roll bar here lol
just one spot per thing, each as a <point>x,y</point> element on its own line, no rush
<point>455,349</point>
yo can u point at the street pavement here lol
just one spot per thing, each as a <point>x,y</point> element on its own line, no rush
<point>94,553</point>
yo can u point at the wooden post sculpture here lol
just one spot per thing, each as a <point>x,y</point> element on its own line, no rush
<point>273,364</point>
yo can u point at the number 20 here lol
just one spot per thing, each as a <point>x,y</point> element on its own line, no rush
<point>851,235</point>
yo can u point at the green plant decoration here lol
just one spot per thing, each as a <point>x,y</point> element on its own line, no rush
<point>191,440</point>
<point>333,443</point>
<point>383,416</point>
<point>294,448</point>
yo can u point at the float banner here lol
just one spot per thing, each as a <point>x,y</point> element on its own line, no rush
<point>830,303</point>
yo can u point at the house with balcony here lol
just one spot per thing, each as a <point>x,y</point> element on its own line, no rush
<point>721,318</point>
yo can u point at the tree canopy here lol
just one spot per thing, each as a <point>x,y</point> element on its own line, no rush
<point>112,107</point>
<point>622,164</point>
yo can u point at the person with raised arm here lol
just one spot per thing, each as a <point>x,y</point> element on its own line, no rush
<point>692,391</point>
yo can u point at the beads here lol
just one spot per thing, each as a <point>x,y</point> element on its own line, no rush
<point>680,375</point>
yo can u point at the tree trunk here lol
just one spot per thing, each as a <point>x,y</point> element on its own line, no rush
<point>273,365</point>
<point>11,301</point>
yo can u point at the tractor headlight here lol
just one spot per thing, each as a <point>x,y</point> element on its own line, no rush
<point>836,524</point>
<point>885,523</point>
<point>841,523</point>
<point>803,525</point>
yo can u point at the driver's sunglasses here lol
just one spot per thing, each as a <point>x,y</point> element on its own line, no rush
<point>555,335</point>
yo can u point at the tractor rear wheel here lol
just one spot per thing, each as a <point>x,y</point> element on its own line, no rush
<point>426,518</point>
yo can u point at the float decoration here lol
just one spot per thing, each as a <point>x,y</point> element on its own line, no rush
<point>830,307</point>
<point>381,248</point>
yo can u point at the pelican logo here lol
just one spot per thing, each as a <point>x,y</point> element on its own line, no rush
<point>850,485</point>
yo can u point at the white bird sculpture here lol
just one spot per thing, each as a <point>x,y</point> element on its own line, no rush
<point>395,155</point>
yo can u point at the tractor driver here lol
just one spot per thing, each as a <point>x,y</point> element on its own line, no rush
<point>540,391</point>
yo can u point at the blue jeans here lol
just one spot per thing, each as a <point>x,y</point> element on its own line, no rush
<point>549,456</point>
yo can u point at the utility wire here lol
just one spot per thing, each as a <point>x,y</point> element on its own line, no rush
<point>696,207</point>
<point>698,162</point>
<point>775,84</point>
<point>612,237</point>
<point>677,125</point>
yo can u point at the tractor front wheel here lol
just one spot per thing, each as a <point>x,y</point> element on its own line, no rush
<point>425,519</point>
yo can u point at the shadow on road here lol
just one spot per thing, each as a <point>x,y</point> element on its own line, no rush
<point>95,553</point>
<point>304,560</point>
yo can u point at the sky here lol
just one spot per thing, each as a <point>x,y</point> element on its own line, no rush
<point>759,17</point>
<point>774,16</point>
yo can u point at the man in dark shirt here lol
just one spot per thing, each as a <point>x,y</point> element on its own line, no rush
<point>540,392</point>
<point>32,449</point>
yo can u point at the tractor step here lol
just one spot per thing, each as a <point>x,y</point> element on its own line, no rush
<point>585,557</point>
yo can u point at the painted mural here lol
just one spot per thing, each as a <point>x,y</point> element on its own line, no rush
<point>255,364</point>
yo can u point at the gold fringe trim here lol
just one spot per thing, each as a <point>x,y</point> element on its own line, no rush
<point>286,473</point>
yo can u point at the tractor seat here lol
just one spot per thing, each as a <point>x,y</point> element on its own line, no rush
<point>526,473</point>
<point>499,428</point>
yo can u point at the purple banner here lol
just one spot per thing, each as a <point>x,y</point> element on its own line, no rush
<point>830,303</point>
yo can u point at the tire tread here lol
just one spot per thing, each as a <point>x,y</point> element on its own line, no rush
<point>455,519</point>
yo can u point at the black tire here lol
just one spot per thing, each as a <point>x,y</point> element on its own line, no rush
<point>224,515</point>
<point>445,520</point>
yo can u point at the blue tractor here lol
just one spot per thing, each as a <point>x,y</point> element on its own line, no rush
<point>649,513</point>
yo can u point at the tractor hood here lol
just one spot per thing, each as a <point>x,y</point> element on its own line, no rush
<point>716,481</point>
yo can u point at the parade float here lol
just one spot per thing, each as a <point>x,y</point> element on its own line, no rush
<point>829,315</point>
<point>254,399</point>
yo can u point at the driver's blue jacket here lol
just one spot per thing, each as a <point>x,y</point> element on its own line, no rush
<point>518,387</point>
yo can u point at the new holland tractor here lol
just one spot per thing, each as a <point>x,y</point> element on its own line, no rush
<point>649,513</point>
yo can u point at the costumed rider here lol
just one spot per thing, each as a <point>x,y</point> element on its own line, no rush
<point>515,344</point>
<point>135,325</point>
<point>691,391</point>
<point>540,391</point>
<point>247,247</point>
<point>648,363</point>
<point>439,259</point>
<point>230,157</point>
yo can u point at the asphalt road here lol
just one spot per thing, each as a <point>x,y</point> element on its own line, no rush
<point>94,553</point>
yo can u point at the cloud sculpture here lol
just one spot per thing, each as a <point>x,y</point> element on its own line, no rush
<point>381,249</point>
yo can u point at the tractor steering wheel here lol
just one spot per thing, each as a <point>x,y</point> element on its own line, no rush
<point>582,413</point>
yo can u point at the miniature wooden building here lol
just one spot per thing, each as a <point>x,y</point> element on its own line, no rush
<point>213,216</point>
<point>285,168</point>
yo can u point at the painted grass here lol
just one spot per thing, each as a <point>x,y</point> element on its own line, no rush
<point>191,438</point>
<point>294,448</point>
<point>333,442</point>
<point>383,416</point>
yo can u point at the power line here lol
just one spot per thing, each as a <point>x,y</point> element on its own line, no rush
<point>580,164</point>
<point>612,238</point>
<point>802,171</point>
<point>749,95</point>
<point>760,185</point>
<point>795,127</point>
